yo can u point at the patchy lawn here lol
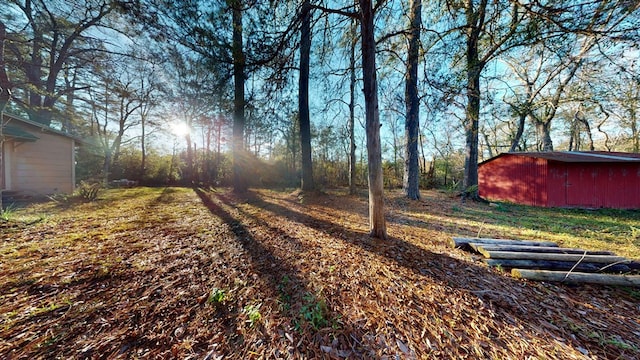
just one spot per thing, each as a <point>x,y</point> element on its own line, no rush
<point>182,273</point>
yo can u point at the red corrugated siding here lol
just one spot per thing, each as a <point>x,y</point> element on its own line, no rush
<point>618,186</point>
<point>512,178</point>
<point>539,182</point>
<point>557,184</point>
<point>615,185</point>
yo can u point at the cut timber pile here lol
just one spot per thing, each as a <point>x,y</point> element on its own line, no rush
<point>546,261</point>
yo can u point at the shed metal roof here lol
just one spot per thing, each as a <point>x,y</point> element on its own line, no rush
<point>579,156</point>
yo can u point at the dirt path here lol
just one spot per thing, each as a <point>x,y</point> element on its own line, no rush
<point>132,276</point>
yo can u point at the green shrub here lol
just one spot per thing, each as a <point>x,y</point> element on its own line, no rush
<point>88,191</point>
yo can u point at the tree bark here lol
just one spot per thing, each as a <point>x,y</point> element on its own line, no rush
<point>516,139</point>
<point>143,147</point>
<point>239,159</point>
<point>544,135</point>
<point>634,130</point>
<point>377,224</point>
<point>471,125</point>
<point>475,22</point>
<point>5,96</point>
<point>523,111</point>
<point>352,106</point>
<point>303,98</point>
<point>412,123</point>
<point>5,83</point>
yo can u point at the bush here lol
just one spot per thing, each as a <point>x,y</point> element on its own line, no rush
<point>88,191</point>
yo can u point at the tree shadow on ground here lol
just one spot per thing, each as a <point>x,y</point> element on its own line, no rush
<point>505,295</point>
<point>416,259</point>
<point>283,281</point>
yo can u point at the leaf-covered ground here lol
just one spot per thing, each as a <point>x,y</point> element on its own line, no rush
<point>202,274</point>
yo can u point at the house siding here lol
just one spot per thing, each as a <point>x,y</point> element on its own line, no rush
<point>42,167</point>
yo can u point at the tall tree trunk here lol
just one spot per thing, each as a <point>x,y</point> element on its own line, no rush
<point>218,153</point>
<point>543,125</point>
<point>424,159</point>
<point>34,78</point>
<point>523,111</point>
<point>471,125</point>
<point>544,135</point>
<point>377,223</point>
<point>143,149</point>
<point>352,115</point>
<point>488,143</point>
<point>303,97</point>
<point>412,123</point>
<point>522,116</point>
<point>5,83</point>
<point>5,96</point>
<point>475,22</point>
<point>635,132</point>
<point>239,159</point>
<point>587,128</point>
<point>189,179</point>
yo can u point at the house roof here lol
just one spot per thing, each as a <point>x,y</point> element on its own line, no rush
<point>8,118</point>
<point>578,156</point>
<point>14,132</point>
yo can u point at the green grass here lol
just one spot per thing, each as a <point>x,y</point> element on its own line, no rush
<point>604,229</point>
<point>7,213</point>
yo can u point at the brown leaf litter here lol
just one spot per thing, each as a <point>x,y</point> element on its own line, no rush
<point>202,274</point>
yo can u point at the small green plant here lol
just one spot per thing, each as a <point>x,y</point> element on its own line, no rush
<point>621,344</point>
<point>89,191</point>
<point>314,311</point>
<point>284,299</point>
<point>7,213</point>
<point>452,187</point>
<point>217,296</point>
<point>253,313</point>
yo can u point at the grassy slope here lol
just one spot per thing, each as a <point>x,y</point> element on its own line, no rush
<point>131,276</point>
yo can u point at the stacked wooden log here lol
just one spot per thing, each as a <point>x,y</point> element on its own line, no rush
<point>546,261</point>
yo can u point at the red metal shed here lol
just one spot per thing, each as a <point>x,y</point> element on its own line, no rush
<point>563,179</point>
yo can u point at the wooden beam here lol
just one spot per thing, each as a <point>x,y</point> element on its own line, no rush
<point>464,242</point>
<point>557,265</point>
<point>601,259</point>
<point>537,249</point>
<point>577,277</point>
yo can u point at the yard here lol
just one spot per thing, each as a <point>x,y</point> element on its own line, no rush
<point>183,273</point>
